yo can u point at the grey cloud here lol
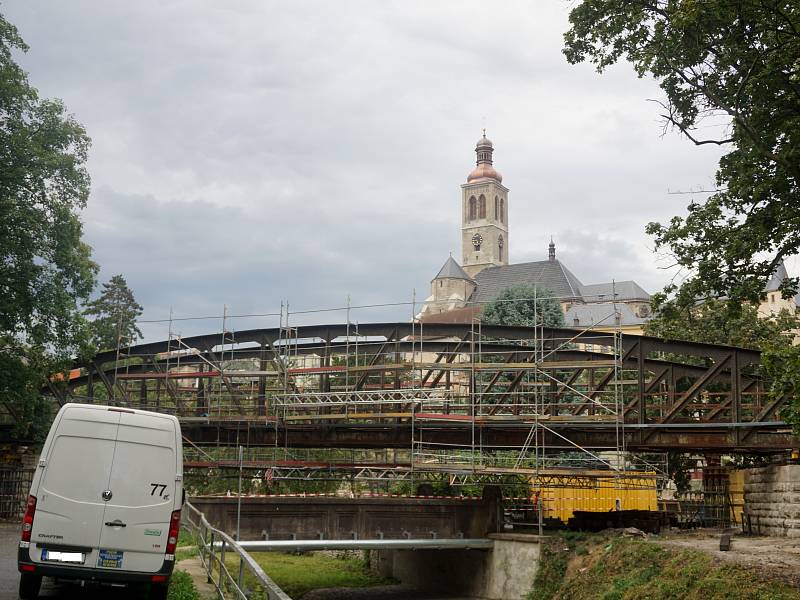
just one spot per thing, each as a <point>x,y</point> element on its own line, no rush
<point>255,151</point>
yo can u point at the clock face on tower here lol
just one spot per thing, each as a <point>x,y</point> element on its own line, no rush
<point>477,239</point>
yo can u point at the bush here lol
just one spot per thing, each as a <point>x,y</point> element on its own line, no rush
<point>181,587</point>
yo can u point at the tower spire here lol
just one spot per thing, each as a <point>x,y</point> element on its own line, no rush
<point>551,254</point>
<point>484,149</point>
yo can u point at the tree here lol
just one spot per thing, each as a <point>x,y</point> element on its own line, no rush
<point>114,315</point>
<point>737,60</point>
<point>45,267</point>
<point>525,305</point>
<point>720,322</point>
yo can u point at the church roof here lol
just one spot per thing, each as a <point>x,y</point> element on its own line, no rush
<point>602,314</point>
<point>624,290</point>
<point>452,270</point>
<point>777,278</point>
<point>550,274</point>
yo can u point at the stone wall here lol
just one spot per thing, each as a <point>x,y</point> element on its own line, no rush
<point>772,500</point>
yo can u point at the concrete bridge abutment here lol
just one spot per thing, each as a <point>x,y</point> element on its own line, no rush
<point>506,572</point>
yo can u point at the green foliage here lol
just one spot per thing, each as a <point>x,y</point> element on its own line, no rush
<point>678,465</point>
<point>45,268</point>
<point>719,322</point>
<point>188,544</point>
<point>20,381</point>
<point>717,61</point>
<point>556,551</point>
<point>181,587</point>
<point>524,305</point>
<point>629,569</point>
<point>781,364</point>
<point>114,315</point>
<point>297,574</point>
<point>218,482</point>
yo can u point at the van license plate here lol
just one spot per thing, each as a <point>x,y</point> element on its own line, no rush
<point>111,559</point>
<point>65,557</point>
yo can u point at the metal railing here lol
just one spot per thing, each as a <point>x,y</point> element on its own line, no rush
<point>250,582</point>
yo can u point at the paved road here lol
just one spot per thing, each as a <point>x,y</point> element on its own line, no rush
<point>9,576</point>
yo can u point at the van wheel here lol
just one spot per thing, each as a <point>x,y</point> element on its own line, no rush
<point>29,586</point>
<point>158,592</point>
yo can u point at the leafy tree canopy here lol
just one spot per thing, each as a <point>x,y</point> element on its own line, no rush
<point>721,322</point>
<point>524,305</point>
<point>114,315</point>
<point>735,61</point>
<point>45,268</point>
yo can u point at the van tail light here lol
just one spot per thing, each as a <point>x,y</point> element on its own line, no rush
<point>174,530</point>
<point>27,520</point>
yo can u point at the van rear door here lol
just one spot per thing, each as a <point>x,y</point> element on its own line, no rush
<point>143,485</point>
<point>69,508</point>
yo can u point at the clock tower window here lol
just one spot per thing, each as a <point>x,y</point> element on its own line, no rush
<point>482,207</point>
<point>472,208</point>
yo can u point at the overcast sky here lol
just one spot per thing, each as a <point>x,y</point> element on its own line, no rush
<point>250,152</point>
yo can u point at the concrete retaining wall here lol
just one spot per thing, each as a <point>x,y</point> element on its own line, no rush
<point>315,517</point>
<point>505,573</point>
<point>772,500</point>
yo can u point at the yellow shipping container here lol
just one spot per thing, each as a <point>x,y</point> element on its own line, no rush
<point>736,490</point>
<point>636,491</point>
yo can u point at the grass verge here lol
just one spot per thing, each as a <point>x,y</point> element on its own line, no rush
<point>297,574</point>
<point>616,568</point>
<point>187,546</point>
<point>181,587</point>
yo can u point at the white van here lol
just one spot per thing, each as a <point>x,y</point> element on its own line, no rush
<point>105,503</point>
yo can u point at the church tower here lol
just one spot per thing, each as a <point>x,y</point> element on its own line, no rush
<point>484,214</point>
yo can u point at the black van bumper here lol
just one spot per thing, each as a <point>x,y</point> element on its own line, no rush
<point>90,574</point>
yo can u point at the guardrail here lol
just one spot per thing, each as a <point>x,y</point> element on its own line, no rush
<point>249,583</point>
<point>382,544</point>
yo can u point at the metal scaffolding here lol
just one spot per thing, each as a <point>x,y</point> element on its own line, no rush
<point>466,402</point>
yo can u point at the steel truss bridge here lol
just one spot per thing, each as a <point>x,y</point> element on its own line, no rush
<point>473,401</point>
